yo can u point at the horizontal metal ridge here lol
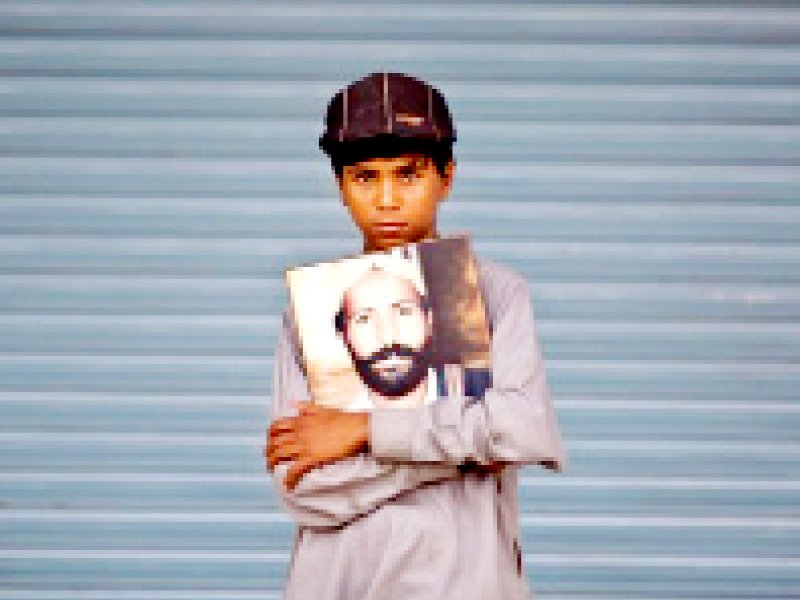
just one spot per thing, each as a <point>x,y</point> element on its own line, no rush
<point>500,11</point>
<point>172,439</point>
<point>713,562</point>
<point>549,520</point>
<point>538,481</point>
<point>553,326</point>
<point>565,403</point>
<point>263,362</point>
<point>36,209</point>
<point>677,562</point>
<point>321,89</point>
<point>470,170</point>
<point>337,247</point>
<point>52,127</point>
<point>509,51</point>
<point>748,292</point>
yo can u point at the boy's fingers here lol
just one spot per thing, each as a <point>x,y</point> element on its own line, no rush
<point>285,424</point>
<point>279,426</point>
<point>285,453</point>
<point>296,472</point>
<point>273,443</point>
<point>280,443</point>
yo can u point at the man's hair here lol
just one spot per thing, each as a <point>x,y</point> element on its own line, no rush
<point>390,146</point>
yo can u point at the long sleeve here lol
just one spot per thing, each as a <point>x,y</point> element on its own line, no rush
<point>514,423</point>
<point>336,493</point>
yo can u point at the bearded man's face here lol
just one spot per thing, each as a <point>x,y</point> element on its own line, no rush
<point>395,370</point>
<point>388,333</point>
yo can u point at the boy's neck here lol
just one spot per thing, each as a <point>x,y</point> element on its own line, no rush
<point>369,248</point>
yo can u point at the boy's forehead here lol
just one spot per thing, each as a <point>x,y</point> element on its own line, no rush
<point>403,160</point>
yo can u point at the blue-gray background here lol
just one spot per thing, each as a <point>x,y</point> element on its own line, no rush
<point>637,161</point>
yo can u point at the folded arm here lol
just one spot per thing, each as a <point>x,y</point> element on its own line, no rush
<point>336,492</point>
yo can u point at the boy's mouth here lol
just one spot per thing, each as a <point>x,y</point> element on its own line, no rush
<point>390,227</point>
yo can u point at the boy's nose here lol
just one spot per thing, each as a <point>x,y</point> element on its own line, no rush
<point>386,199</point>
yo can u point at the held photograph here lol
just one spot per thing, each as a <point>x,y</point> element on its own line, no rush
<point>399,328</point>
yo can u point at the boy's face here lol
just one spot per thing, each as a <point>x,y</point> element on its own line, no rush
<point>394,201</point>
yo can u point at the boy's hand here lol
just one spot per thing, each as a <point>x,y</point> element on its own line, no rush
<point>315,437</point>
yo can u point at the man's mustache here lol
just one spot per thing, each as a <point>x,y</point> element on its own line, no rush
<point>402,378</point>
<point>392,351</point>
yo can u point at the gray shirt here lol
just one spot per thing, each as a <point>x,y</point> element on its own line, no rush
<point>431,512</point>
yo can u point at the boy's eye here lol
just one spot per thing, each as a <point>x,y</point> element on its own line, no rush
<point>408,175</point>
<point>362,177</point>
<point>361,319</point>
<point>406,311</point>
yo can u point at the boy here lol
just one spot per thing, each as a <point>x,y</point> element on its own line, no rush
<point>411,503</point>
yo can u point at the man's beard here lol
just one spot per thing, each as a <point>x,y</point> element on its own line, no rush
<point>399,382</point>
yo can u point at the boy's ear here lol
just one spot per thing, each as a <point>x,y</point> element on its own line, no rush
<point>338,177</point>
<point>449,175</point>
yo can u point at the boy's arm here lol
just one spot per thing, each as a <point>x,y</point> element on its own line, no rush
<point>514,423</point>
<point>338,492</point>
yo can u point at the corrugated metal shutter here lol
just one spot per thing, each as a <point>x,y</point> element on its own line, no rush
<point>158,170</point>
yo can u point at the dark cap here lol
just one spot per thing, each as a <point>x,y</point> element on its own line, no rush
<point>391,104</point>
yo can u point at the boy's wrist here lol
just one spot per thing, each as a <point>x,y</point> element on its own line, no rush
<point>362,429</point>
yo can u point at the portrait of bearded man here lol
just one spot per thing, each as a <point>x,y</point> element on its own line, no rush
<point>386,324</point>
